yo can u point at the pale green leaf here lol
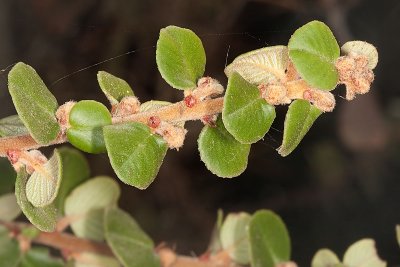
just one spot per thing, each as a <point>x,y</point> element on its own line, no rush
<point>44,218</point>
<point>12,126</point>
<point>86,203</point>
<point>269,240</point>
<point>135,153</point>
<point>215,241</point>
<point>95,260</point>
<point>35,105</point>
<point>398,234</point>
<point>128,241</point>
<point>113,87</point>
<point>361,48</point>
<point>261,66</point>
<point>9,209</point>
<point>313,50</point>
<point>299,119</point>
<point>87,118</point>
<point>180,56</point>
<point>245,114</point>
<point>42,186</point>
<point>325,258</point>
<point>222,154</point>
<point>10,253</point>
<point>363,254</point>
<point>75,171</point>
<point>234,237</point>
<point>40,257</point>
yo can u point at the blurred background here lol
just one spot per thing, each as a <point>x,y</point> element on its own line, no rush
<point>340,185</point>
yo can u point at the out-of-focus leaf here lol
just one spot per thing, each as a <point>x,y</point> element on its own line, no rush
<point>128,241</point>
<point>245,114</point>
<point>87,118</point>
<point>42,186</point>
<point>313,50</point>
<point>12,126</point>
<point>95,260</point>
<point>363,254</point>
<point>40,257</point>
<point>44,218</point>
<point>269,240</point>
<point>398,233</point>
<point>35,105</point>
<point>135,153</point>
<point>325,258</point>
<point>215,242</point>
<point>180,56</point>
<point>364,49</point>
<point>86,203</point>
<point>261,66</point>
<point>222,154</point>
<point>10,253</point>
<point>113,87</point>
<point>234,237</point>
<point>75,171</point>
<point>9,209</point>
<point>299,119</point>
<point>8,176</point>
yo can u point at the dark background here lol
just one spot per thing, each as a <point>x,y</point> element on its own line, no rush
<point>342,183</point>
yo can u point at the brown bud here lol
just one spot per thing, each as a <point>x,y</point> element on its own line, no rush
<point>323,100</point>
<point>274,94</point>
<point>62,115</point>
<point>210,120</point>
<point>127,106</point>
<point>172,134</point>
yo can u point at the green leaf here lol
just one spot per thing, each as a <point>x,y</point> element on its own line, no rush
<point>261,66</point>
<point>95,260</point>
<point>8,176</point>
<point>44,218</point>
<point>12,126</point>
<point>180,56</point>
<point>135,153</point>
<point>363,254</point>
<point>87,119</point>
<point>42,186</point>
<point>215,243</point>
<point>10,253</point>
<point>269,239</point>
<point>299,119</point>
<point>361,48</point>
<point>9,209</point>
<point>40,257</point>
<point>75,171</point>
<point>325,258</point>
<point>234,237</point>
<point>128,241</point>
<point>86,204</point>
<point>245,114</point>
<point>313,50</point>
<point>35,105</point>
<point>113,87</point>
<point>223,155</point>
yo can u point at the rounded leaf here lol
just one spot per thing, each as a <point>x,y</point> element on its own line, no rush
<point>313,50</point>
<point>38,256</point>
<point>12,126</point>
<point>8,175</point>
<point>10,253</point>
<point>234,237</point>
<point>45,218</point>
<point>221,152</point>
<point>87,119</point>
<point>135,153</point>
<point>42,186</point>
<point>245,114</point>
<point>325,258</point>
<point>269,239</point>
<point>299,119</point>
<point>75,171</point>
<point>180,56</point>
<point>364,49</point>
<point>363,254</point>
<point>113,87</point>
<point>86,204</point>
<point>261,66</point>
<point>9,209</point>
<point>35,105</point>
<point>128,241</point>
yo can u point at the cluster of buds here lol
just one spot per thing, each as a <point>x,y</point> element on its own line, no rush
<point>127,106</point>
